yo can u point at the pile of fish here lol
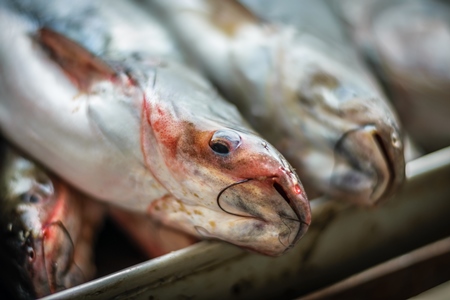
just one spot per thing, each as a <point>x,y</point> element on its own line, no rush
<point>116,107</point>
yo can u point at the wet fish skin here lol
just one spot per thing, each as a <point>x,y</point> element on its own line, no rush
<point>153,135</point>
<point>46,225</point>
<point>304,93</point>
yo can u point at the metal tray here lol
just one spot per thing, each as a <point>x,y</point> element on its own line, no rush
<point>341,241</point>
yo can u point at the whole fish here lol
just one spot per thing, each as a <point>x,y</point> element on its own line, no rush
<point>301,86</point>
<point>47,230</point>
<point>146,134</point>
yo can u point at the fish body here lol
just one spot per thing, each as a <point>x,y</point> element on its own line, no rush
<point>300,86</point>
<point>146,134</point>
<point>47,229</point>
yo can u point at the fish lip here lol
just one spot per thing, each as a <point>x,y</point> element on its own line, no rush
<point>386,141</point>
<point>394,158</point>
<point>299,206</point>
<point>303,212</point>
<point>302,229</point>
<point>297,202</point>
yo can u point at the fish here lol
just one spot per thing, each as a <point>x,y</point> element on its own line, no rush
<point>299,84</point>
<point>411,40</point>
<point>47,229</point>
<point>146,134</point>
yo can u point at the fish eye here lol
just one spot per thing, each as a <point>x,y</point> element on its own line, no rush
<point>31,254</point>
<point>224,141</point>
<point>38,193</point>
<point>30,197</point>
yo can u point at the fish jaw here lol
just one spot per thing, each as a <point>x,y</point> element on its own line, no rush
<point>368,161</point>
<point>271,237</point>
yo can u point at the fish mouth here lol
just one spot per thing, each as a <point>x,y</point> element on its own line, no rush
<point>52,262</point>
<point>303,215</point>
<point>281,212</point>
<point>369,165</point>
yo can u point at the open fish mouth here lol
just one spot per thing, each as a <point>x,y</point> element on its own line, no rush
<point>280,217</point>
<point>369,165</point>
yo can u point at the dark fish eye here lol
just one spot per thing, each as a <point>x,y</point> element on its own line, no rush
<point>220,148</point>
<point>38,193</point>
<point>31,254</point>
<point>224,141</point>
<point>30,197</point>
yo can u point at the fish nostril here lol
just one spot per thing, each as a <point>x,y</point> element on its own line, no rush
<point>281,191</point>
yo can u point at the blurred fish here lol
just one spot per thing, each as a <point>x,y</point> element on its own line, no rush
<point>406,44</point>
<point>146,134</point>
<point>47,230</point>
<point>357,18</point>
<point>412,39</point>
<point>301,85</point>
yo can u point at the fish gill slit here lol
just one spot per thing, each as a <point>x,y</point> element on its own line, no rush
<point>282,192</point>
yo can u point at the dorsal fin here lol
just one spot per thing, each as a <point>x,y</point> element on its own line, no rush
<point>81,66</point>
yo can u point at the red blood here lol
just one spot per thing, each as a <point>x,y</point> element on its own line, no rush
<point>297,189</point>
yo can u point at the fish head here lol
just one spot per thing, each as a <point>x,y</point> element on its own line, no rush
<point>338,130</point>
<point>228,182</point>
<point>35,212</point>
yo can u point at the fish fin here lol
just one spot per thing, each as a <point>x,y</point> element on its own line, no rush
<point>81,66</point>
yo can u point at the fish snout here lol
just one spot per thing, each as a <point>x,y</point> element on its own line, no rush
<point>369,164</point>
<point>291,191</point>
<point>275,207</point>
<point>293,212</point>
